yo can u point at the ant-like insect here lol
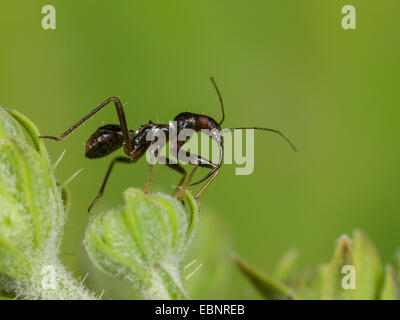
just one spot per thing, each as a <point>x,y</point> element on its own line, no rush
<point>111,137</point>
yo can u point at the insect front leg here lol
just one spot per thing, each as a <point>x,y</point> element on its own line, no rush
<point>204,163</point>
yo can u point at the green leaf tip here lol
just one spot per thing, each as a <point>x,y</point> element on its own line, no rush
<point>271,289</point>
<point>333,284</point>
<point>391,285</point>
<point>368,266</point>
<point>144,242</point>
<point>286,265</point>
<point>31,129</point>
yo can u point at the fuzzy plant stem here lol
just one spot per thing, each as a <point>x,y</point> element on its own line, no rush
<point>51,282</point>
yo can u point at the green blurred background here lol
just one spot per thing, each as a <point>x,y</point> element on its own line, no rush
<point>282,64</point>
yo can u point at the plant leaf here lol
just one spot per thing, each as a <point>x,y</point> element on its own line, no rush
<point>309,284</point>
<point>368,267</point>
<point>175,292</point>
<point>333,288</point>
<point>269,288</point>
<point>31,129</point>
<point>391,286</point>
<point>286,265</point>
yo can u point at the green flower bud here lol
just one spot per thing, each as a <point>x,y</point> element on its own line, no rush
<point>144,242</point>
<point>31,217</point>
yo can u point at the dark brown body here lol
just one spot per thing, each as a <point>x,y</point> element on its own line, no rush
<point>112,137</point>
<point>109,138</point>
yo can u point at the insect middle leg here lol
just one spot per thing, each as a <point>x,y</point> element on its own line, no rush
<point>146,188</point>
<point>103,186</point>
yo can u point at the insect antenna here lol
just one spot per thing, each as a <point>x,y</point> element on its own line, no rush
<point>265,129</point>
<point>220,100</point>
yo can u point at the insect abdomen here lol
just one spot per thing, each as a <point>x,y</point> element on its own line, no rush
<point>103,142</point>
